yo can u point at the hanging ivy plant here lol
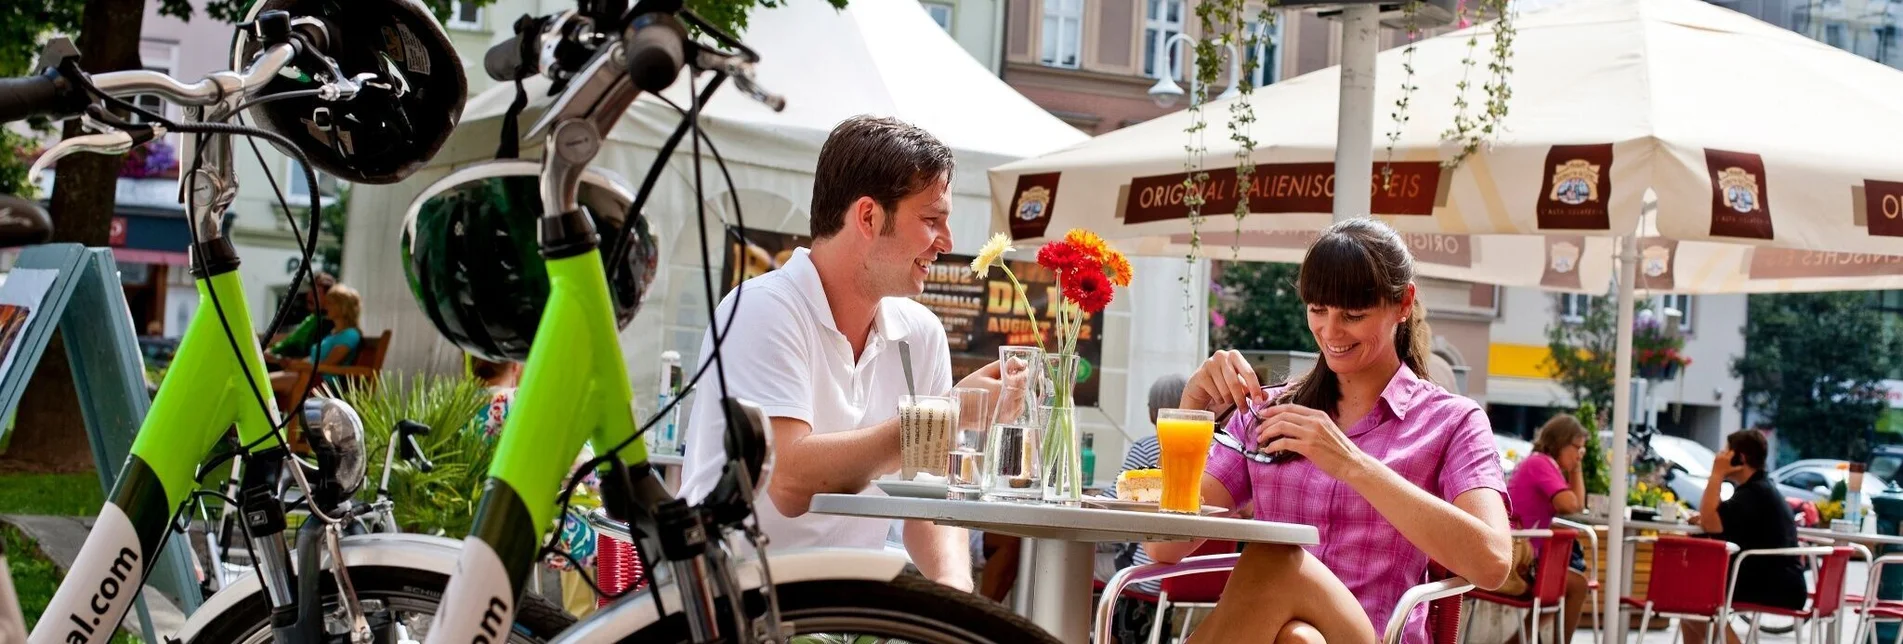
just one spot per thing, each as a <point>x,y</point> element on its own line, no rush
<point>1472,131</point>
<point>1410,15</point>
<point>1242,113</point>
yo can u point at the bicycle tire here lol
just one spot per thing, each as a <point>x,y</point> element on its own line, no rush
<point>536,618</point>
<point>908,607</point>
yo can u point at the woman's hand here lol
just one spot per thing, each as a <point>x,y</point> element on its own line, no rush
<point>1311,433</point>
<point>1225,379</point>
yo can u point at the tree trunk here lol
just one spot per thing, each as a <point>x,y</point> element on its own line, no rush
<point>50,433</point>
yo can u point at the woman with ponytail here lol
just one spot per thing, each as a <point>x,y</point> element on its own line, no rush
<point>1391,469</point>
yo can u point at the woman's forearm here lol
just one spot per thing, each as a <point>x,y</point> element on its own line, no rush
<point>1447,533</point>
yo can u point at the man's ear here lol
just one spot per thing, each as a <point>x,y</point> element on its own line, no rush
<point>864,217</point>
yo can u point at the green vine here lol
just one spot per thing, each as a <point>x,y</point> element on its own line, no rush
<point>1208,65</point>
<point>1471,131</point>
<point>1410,13</point>
<point>1241,113</point>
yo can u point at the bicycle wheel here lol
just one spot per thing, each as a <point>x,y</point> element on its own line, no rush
<point>409,595</point>
<point>907,609</point>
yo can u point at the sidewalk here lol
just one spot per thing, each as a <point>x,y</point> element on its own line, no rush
<point>59,540</point>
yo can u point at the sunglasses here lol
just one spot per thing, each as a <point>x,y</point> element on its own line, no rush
<point>1250,452</point>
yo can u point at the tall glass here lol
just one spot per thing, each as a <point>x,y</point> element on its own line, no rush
<point>965,464</point>
<point>1183,436</point>
<point>925,434</point>
<point>1013,446</point>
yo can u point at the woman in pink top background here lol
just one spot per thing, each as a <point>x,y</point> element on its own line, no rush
<point>1391,469</point>
<point>1550,482</point>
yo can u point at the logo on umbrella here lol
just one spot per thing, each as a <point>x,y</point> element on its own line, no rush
<point>1575,182</point>
<point>1565,257</point>
<point>1656,260</point>
<point>1033,203</point>
<point>1740,189</point>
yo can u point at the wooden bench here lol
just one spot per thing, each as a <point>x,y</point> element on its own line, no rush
<point>367,366</point>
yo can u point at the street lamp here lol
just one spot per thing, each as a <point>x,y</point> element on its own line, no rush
<point>1166,92</point>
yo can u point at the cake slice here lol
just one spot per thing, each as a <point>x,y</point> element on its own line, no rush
<point>1142,486</point>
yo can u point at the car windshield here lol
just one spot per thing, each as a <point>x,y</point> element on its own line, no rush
<point>1688,454</point>
<point>1885,467</point>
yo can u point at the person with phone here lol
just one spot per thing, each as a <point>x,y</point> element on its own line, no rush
<point>1755,517</point>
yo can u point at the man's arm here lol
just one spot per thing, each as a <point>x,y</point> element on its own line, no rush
<point>805,464</point>
<point>942,553</point>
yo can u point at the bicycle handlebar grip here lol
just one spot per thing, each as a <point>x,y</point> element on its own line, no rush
<point>503,59</point>
<point>656,50</point>
<point>28,96</point>
<point>411,428</point>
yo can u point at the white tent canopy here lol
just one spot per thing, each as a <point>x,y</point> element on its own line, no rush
<point>881,57</point>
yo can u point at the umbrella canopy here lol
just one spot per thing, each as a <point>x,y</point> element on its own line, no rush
<point>1743,132</point>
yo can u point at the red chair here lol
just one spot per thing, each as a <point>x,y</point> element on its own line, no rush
<point>1592,567</point>
<point>1549,583</point>
<point>1828,597</point>
<point>1687,582</point>
<point>1443,596</point>
<point>1191,587</point>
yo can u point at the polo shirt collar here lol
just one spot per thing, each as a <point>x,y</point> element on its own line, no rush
<point>887,324</point>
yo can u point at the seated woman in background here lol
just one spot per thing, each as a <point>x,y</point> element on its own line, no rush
<point>343,307</point>
<point>1549,483</point>
<point>1392,470</point>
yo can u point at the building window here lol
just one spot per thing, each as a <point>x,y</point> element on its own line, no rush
<point>1683,303</point>
<point>158,57</point>
<point>1162,19</point>
<point>1267,53</point>
<point>1573,307</point>
<point>941,13</point>
<point>297,189</point>
<point>1063,41</point>
<point>465,15</point>
<point>1834,35</point>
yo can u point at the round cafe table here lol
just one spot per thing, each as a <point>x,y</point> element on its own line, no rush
<point>1062,541</point>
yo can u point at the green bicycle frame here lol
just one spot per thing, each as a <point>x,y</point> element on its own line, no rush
<point>207,395</point>
<point>573,388</point>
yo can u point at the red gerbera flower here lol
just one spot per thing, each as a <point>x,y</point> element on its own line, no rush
<point>1089,290</point>
<point>1060,257</point>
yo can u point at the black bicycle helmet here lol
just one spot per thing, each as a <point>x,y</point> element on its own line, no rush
<point>474,264</point>
<point>391,128</point>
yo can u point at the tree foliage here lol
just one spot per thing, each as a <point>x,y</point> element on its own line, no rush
<point>1813,366</point>
<point>1580,352</point>
<point>1255,307</point>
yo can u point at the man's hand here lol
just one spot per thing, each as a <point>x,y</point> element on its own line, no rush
<point>1721,466</point>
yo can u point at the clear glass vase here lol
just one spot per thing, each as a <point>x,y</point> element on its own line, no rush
<point>1061,444</point>
<point>1014,466</point>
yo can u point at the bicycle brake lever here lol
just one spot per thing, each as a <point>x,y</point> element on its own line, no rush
<point>740,70</point>
<point>116,142</point>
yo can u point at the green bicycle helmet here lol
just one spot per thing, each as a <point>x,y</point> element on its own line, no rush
<point>474,265</point>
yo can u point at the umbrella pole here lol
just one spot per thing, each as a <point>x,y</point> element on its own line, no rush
<point>1621,420</point>
<point>1354,134</point>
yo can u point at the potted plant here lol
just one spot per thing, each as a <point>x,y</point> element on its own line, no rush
<point>1656,353</point>
<point>1644,499</point>
<point>1597,463</point>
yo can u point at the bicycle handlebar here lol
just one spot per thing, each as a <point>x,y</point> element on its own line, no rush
<point>48,93</point>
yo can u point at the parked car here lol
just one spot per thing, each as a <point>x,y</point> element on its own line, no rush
<point>1811,479</point>
<point>1513,449</point>
<point>1885,460</point>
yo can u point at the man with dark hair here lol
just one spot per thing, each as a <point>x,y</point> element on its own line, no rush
<point>1755,517</point>
<point>817,346</point>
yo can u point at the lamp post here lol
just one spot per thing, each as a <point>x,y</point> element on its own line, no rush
<point>1166,92</point>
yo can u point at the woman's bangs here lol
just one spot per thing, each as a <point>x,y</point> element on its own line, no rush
<point>1340,273</point>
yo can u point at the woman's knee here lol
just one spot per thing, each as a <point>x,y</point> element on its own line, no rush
<point>1299,632</point>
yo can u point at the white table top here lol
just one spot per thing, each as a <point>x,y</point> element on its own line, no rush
<point>664,459</point>
<point>1065,523</point>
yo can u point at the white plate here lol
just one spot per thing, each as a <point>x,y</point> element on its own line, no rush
<point>1108,503</point>
<point>914,489</point>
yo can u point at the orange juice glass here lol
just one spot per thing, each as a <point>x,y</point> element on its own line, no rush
<point>1184,436</point>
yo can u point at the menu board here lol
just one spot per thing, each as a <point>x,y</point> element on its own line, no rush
<point>979,315</point>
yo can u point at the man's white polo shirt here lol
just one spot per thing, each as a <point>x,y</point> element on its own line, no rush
<point>785,354</point>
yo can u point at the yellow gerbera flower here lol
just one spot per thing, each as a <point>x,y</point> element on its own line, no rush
<point>1087,243</point>
<point>989,255</point>
<point>1117,267</point>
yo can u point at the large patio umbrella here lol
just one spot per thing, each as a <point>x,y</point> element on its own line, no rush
<point>1771,159</point>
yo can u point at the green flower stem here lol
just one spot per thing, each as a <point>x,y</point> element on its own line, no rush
<point>1028,314</point>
